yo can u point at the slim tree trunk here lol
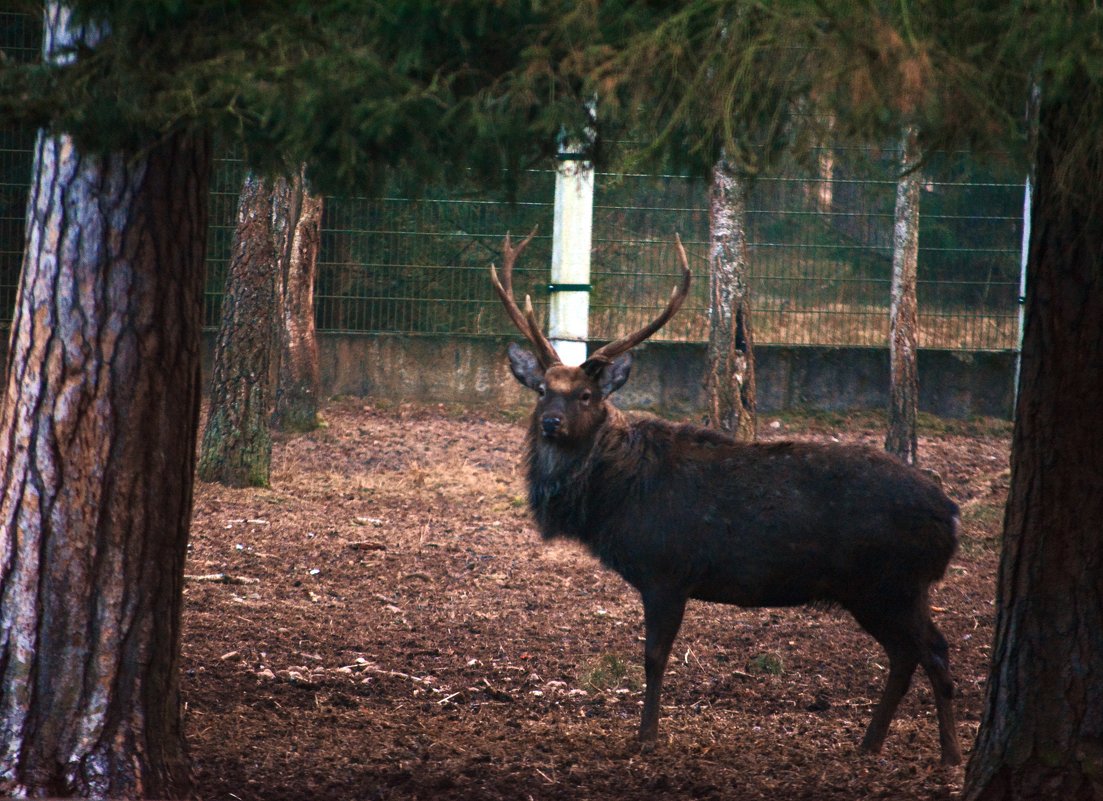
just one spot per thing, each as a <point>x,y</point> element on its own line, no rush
<point>819,192</point>
<point>237,448</point>
<point>298,385</point>
<point>1041,734</point>
<point>97,444</point>
<point>902,439</point>
<point>730,383</point>
<point>825,187</point>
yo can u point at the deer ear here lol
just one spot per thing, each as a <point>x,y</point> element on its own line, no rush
<point>525,367</point>
<point>610,376</point>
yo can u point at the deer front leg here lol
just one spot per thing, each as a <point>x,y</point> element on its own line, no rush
<point>662,616</point>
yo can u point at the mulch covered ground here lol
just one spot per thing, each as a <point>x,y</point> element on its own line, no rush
<point>385,623</point>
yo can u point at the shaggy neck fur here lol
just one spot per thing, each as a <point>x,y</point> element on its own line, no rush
<point>562,475</point>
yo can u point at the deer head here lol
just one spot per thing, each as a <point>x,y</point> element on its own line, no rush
<point>571,402</point>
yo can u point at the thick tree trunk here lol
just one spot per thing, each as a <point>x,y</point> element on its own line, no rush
<point>902,439</point>
<point>730,384</point>
<point>237,448</point>
<point>97,444</point>
<point>1041,735</point>
<point>298,385</point>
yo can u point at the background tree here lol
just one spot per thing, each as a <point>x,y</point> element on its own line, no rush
<point>237,448</point>
<point>297,386</point>
<point>902,439</point>
<point>672,90</point>
<point>729,383</point>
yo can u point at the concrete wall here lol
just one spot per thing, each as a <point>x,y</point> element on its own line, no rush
<point>665,376</point>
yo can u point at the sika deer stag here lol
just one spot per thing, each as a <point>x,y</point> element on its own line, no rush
<point>685,512</point>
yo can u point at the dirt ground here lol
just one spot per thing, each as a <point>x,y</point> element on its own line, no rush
<point>385,623</point>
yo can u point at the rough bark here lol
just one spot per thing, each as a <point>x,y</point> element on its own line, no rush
<point>730,384</point>
<point>237,447</point>
<point>298,386</point>
<point>1041,734</point>
<point>902,439</point>
<point>97,444</point>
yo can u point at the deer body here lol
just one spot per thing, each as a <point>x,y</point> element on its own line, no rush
<point>684,512</point>
<point>689,510</point>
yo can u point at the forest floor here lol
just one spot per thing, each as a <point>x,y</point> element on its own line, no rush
<point>384,622</point>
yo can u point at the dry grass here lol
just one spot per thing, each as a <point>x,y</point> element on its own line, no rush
<point>831,324</point>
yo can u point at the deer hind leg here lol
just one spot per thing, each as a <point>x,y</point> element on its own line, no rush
<point>911,639</point>
<point>662,613</point>
<point>896,634</point>
<point>901,668</point>
<point>936,664</point>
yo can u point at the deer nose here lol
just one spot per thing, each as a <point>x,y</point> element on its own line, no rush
<point>550,425</point>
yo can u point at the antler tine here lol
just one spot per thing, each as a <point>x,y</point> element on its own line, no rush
<point>608,352</point>
<point>526,324</point>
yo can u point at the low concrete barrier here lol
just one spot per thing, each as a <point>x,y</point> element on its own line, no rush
<point>667,376</point>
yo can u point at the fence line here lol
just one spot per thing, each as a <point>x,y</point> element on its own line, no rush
<point>818,276</point>
<point>820,249</point>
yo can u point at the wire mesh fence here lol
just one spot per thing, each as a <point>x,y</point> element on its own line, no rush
<point>820,255</point>
<point>820,249</point>
<point>818,275</point>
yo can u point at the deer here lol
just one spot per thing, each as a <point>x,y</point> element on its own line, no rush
<point>684,512</point>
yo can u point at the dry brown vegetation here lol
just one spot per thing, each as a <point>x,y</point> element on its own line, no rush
<point>384,623</point>
<point>841,325</point>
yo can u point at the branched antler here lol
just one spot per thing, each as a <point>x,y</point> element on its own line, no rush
<point>528,325</point>
<point>526,321</point>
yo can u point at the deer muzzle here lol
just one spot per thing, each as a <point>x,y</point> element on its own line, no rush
<point>550,425</point>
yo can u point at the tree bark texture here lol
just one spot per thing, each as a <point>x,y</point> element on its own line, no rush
<point>237,448</point>
<point>1041,734</point>
<point>902,439</point>
<point>298,385</point>
<point>730,384</point>
<point>97,449</point>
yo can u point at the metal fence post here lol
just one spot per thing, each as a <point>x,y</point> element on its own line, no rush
<point>1023,260</point>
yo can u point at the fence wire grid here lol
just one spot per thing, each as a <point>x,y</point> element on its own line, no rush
<point>820,255</point>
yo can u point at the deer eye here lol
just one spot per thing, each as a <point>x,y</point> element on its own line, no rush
<point>541,390</point>
<point>585,396</point>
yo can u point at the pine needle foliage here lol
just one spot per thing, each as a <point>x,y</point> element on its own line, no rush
<point>351,88</point>
<point>429,89</point>
<point>756,80</point>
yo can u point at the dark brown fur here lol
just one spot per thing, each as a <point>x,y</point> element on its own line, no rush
<point>685,512</point>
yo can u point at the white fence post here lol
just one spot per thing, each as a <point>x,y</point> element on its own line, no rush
<point>572,236</point>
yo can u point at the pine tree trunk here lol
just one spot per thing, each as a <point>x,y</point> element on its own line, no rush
<point>902,439</point>
<point>97,451</point>
<point>1041,734</point>
<point>298,386</point>
<point>237,448</point>
<point>730,384</point>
